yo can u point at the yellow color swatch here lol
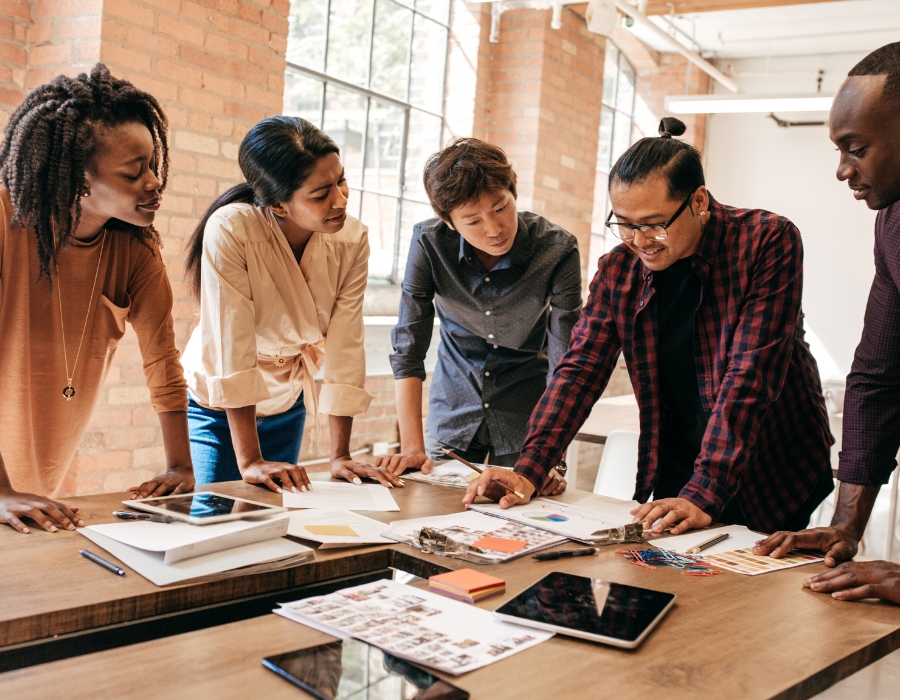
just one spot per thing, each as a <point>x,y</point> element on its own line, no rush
<point>332,530</point>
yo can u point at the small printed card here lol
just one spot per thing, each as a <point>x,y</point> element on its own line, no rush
<point>500,544</point>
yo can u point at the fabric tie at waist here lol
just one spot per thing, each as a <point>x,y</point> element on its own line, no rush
<point>311,357</point>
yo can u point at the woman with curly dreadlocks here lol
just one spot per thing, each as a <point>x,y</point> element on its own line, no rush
<point>83,165</point>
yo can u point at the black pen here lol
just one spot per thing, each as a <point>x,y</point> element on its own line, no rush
<point>152,517</point>
<point>102,562</point>
<point>566,553</point>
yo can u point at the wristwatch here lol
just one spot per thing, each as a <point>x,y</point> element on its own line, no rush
<point>562,468</point>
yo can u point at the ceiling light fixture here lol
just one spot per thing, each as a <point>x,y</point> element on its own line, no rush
<point>736,104</point>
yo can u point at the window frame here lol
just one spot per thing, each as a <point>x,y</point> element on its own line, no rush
<point>399,196</point>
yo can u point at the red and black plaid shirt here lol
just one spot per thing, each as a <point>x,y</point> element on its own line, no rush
<point>767,441</point>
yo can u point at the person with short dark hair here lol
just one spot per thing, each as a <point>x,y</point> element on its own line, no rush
<point>865,126</point>
<point>84,164</point>
<point>507,289</point>
<point>280,270</point>
<point>704,301</point>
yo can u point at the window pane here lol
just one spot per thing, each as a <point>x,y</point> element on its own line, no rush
<point>384,143</point>
<point>379,213</point>
<point>353,201</point>
<point>429,53</point>
<point>625,86</point>
<point>610,71</point>
<point>303,96</point>
<point>439,9</point>
<point>621,136</point>
<point>390,49</point>
<point>348,40</point>
<point>411,214</point>
<point>604,143</point>
<point>306,34</point>
<point>345,119</point>
<point>424,140</point>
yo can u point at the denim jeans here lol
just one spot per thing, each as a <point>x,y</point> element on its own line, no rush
<point>213,452</point>
<point>476,452</point>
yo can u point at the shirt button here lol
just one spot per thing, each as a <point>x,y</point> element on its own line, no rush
<point>487,279</point>
<point>495,347</point>
<point>641,303</point>
<point>487,405</point>
<point>487,313</point>
<point>487,374</point>
<point>491,335</point>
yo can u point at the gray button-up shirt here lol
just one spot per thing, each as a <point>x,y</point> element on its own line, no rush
<point>502,331</point>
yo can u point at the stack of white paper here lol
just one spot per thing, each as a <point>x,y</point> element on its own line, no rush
<point>332,495</point>
<point>336,528</point>
<point>179,552</point>
<point>415,624</point>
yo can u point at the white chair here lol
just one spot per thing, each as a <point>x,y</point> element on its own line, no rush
<point>618,465</point>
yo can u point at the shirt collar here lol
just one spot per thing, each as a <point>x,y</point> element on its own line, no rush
<point>519,254</point>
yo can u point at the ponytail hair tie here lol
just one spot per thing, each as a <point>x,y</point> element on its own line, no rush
<point>665,135</point>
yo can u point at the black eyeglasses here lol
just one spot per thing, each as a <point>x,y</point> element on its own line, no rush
<point>653,232</point>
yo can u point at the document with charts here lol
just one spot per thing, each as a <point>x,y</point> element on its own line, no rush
<point>583,522</point>
<point>415,624</point>
<point>452,474</point>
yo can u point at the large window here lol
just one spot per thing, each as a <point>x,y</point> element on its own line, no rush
<point>370,73</point>
<point>616,118</point>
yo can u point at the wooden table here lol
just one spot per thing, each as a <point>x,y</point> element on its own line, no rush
<point>613,413</point>
<point>728,636</point>
<point>54,603</point>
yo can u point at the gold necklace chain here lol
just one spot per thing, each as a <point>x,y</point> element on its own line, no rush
<point>69,391</point>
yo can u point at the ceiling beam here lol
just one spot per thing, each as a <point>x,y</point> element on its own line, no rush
<point>661,7</point>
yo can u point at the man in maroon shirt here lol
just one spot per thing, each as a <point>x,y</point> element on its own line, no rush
<point>703,300</point>
<point>865,126</point>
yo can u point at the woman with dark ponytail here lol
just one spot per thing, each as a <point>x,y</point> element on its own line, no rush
<point>83,165</point>
<point>704,300</point>
<point>279,269</point>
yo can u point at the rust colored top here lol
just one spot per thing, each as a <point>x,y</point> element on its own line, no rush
<point>39,430</point>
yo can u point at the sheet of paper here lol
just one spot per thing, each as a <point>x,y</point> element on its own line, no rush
<point>468,527</point>
<point>735,553</point>
<point>178,541</point>
<point>739,537</point>
<point>333,495</point>
<point>417,625</point>
<point>574,522</point>
<point>151,565</point>
<point>336,528</point>
<point>452,474</point>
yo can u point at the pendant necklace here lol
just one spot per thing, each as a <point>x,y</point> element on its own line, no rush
<point>69,390</point>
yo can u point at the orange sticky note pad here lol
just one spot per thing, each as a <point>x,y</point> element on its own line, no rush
<point>468,580</point>
<point>500,544</point>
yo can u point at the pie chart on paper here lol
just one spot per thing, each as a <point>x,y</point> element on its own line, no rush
<point>547,517</point>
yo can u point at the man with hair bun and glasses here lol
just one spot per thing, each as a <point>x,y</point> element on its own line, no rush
<point>865,126</point>
<point>704,300</point>
<point>507,288</point>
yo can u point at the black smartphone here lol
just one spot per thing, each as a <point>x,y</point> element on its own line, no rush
<point>351,670</point>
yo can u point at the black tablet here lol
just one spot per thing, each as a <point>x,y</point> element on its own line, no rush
<point>589,608</point>
<point>354,670</point>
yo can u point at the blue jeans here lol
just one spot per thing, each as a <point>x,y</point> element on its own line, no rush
<point>213,452</point>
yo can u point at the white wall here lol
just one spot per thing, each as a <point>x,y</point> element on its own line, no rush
<point>752,162</point>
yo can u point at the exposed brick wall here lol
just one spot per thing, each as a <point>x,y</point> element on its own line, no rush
<point>545,112</point>
<point>217,67</point>
<point>15,20</point>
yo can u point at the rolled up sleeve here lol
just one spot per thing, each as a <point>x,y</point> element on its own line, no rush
<point>227,321</point>
<point>411,337</point>
<point>343,390</point>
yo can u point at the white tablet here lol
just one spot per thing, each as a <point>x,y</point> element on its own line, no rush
<point>204,508</point>
<point>601,611</point>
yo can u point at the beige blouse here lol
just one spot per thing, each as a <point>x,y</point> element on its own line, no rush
<point>257,303</point>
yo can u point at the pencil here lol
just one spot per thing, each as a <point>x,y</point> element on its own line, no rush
<point>479,470</point>
<point>696,549</point>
